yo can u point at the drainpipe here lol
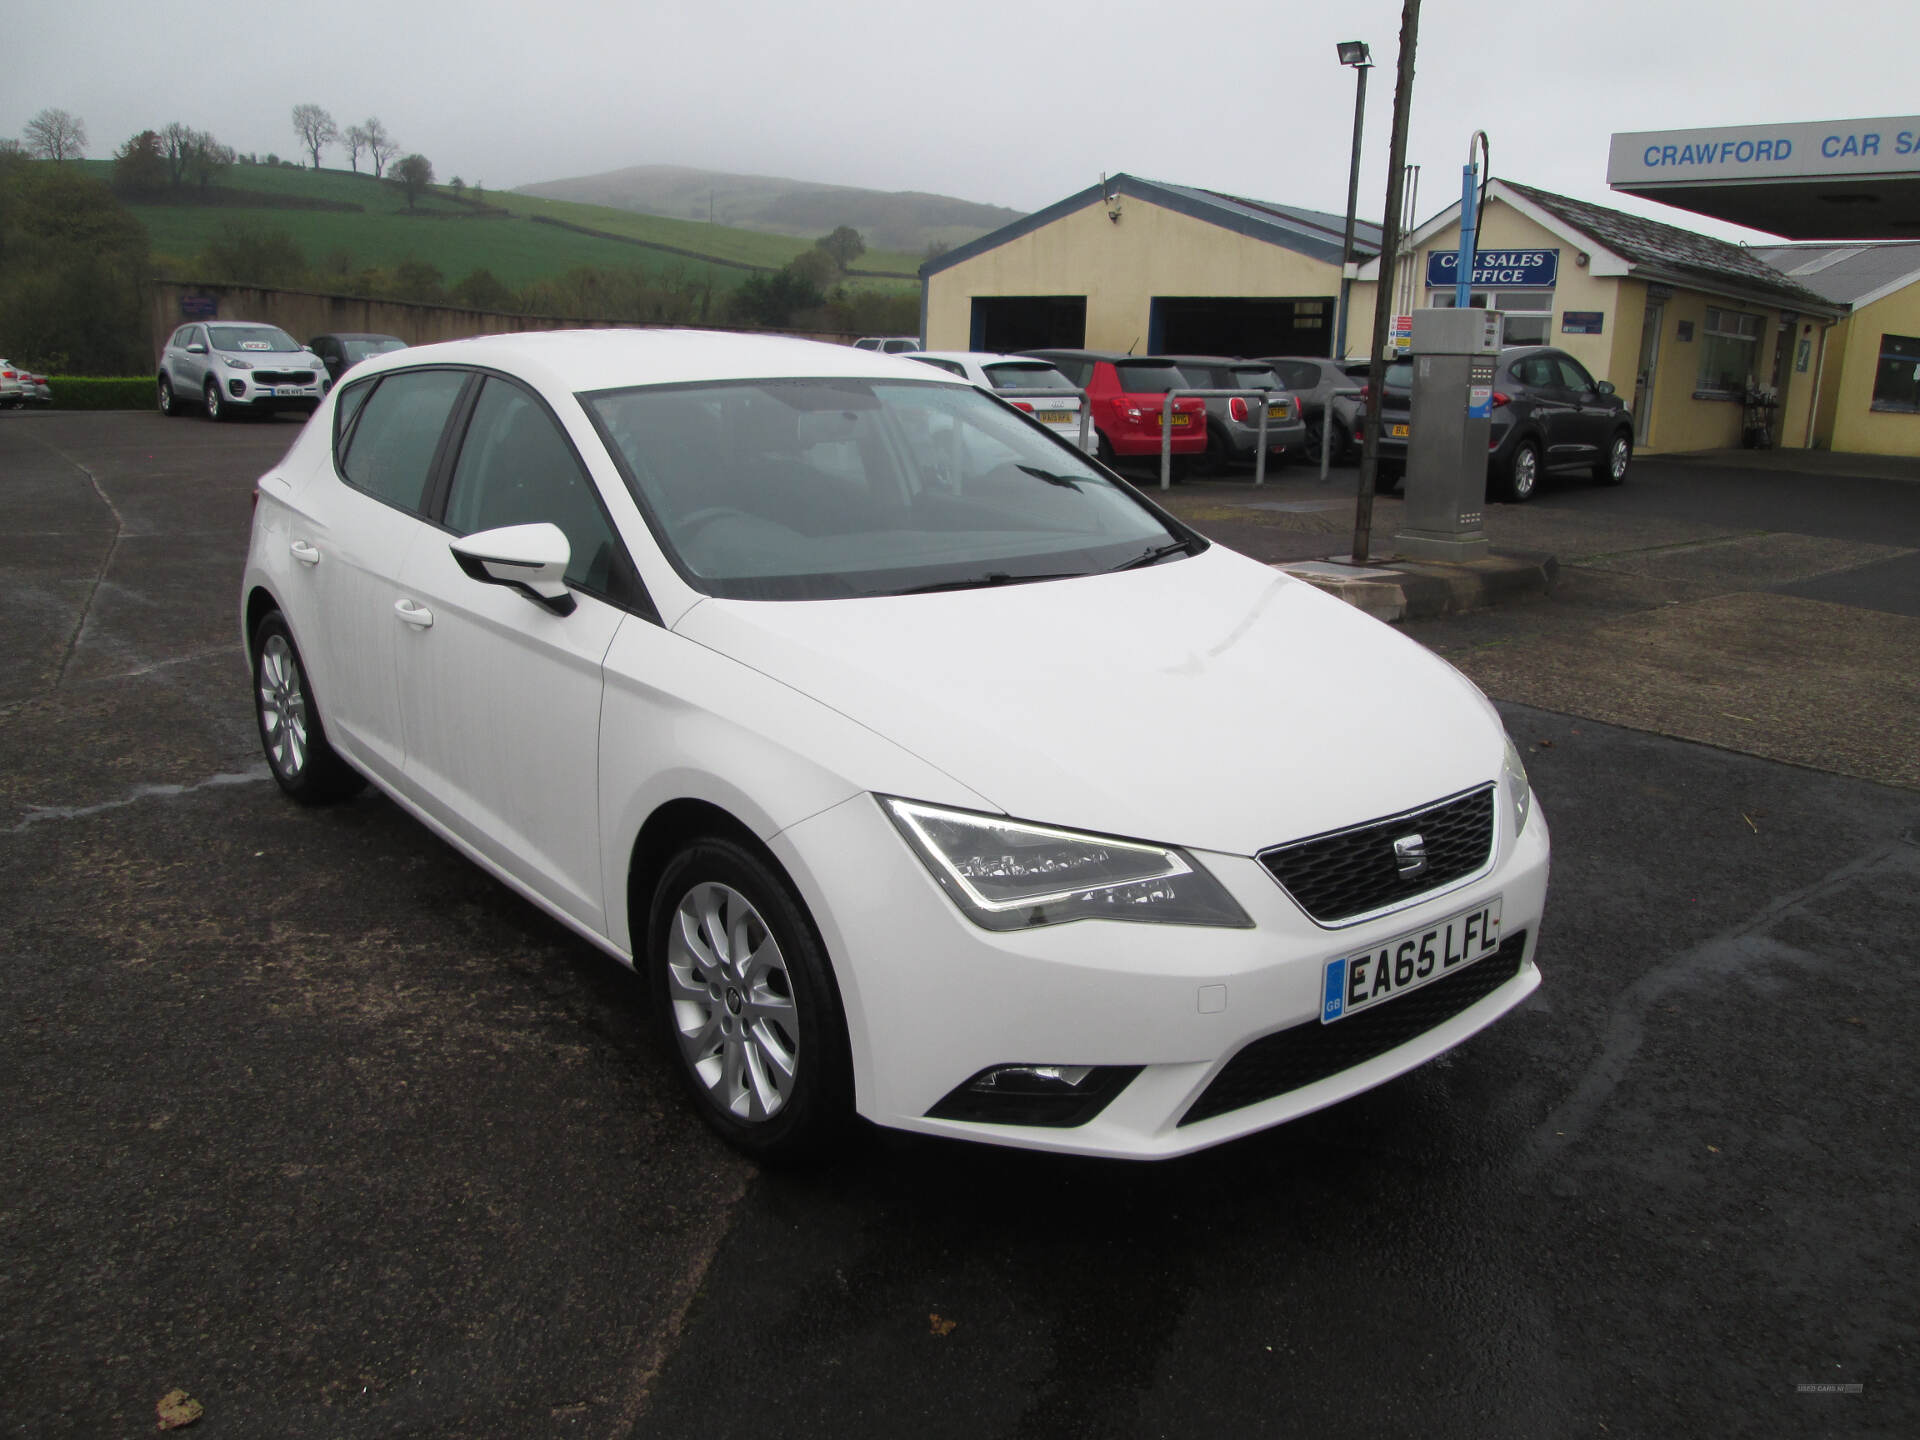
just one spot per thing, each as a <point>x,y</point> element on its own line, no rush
<point>1819,374</point>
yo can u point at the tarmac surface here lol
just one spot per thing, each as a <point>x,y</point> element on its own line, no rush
<point>308,1117</point>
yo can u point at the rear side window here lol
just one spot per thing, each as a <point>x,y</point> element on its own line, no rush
<point>390,448</point>
<point>1298,374</point>
<point>1537,371</point>
<point>952,367</point>
<point>1078,371</point>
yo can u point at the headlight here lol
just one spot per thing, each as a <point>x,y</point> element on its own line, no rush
<point>232,364</point>
<point>1519,788</point>
<point>1008,875</point>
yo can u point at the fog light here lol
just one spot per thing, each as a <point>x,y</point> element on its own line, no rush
<point>236,388</point>
<point>1052,1095</point>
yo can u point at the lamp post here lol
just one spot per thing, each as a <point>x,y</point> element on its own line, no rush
<point>1354,53</point>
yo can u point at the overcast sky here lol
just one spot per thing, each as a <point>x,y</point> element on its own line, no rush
<point>1014,104</point>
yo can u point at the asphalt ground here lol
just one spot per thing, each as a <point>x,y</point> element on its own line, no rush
<point>306,1116</point>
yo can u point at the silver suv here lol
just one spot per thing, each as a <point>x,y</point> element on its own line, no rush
<point>238,367</point>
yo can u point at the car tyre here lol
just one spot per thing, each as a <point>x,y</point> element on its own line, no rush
<point>164,397</point>
<point>1103,450</point>
<point>1611,468</point>
<point>291,733</point>
<point>216,407</point>
<point>1219,453</point>
<point>748,1002</point>
<point>1523,472</point>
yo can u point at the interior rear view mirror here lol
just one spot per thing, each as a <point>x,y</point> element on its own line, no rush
<point>529,558</point>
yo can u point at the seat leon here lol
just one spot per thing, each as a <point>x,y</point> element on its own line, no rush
<point>925,770</point>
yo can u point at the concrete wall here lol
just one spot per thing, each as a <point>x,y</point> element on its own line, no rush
<point>1848,420</point>
<point>1120,266</point>
<point>304,313</point>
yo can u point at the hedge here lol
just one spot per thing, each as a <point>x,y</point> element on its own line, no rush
<point>92,392</point>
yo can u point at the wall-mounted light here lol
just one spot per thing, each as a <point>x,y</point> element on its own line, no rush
<point>1110,194</point>
<point>1580,258</point>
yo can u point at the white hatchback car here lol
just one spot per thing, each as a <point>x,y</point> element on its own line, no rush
<point>1058,408</point>
<point>818,686</point>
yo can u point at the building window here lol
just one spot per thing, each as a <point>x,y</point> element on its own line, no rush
<point>1896,384</point>
<point>1729,342</point>
<point>1526,316</point>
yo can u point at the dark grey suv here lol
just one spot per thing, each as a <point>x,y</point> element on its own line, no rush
<point>1549,413</point>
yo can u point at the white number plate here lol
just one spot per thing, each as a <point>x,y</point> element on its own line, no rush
<point>1375,975</point>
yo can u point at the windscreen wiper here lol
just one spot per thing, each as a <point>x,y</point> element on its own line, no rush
<point>984,582</point>
<point>1156,554</point>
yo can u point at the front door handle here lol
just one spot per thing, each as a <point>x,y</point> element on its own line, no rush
<point>417,615</point>
<point>304,553</point>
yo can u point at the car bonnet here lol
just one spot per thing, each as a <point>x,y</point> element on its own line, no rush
<point>1209,702</point>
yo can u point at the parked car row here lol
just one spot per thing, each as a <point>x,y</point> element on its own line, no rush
<point>229,368</point>
<point>20,387</point>
<point>1059,412</point>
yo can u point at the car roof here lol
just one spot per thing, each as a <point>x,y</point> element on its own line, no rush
<point>1116,356</point>
<point>356,335</point>
<point>616,358</point>
<point>981,357</point>
<point>1217,360</point>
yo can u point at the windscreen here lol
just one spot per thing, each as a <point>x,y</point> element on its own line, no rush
<point>244,338</point>
<point>1149,378</point>
<point>1027,375</point>
<point>829,488</point>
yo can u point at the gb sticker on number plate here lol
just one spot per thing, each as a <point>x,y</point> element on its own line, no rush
<point>1375,975</point>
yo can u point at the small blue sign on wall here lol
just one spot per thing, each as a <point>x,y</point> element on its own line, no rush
<point>1581,322</point>
<point>199,307</point>
<point>1514,269</point>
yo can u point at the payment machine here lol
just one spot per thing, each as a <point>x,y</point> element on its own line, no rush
<point>1454,353</point>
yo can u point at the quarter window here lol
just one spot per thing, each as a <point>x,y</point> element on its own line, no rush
<point>1730,342</point>
<point>1896,382</point>
<point>516,468</point>
<point>390,448</point>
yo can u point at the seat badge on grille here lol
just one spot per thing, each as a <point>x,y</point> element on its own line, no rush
<point>1410,854</point>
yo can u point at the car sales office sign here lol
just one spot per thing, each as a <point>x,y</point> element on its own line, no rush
<point>1502,269</point>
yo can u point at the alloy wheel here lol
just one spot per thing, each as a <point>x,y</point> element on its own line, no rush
<point>1526,471</point>
<point>283,708</point>
<point>165,396</point>
<point>213,401</point>
<point>1618,460</point>
<point>732,999</point>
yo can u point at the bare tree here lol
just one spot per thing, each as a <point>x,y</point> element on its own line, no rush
<point>381,146</point>
<point>315,128</point>
<point>55,135</point>
<point>413,174</point>
<point>355,139</point>
<point>177,144</point>
<point>209,159</point>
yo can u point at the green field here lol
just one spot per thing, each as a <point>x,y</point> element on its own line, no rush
<point>449,236</point>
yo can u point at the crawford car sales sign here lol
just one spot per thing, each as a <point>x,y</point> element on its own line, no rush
<point>1508,269</point>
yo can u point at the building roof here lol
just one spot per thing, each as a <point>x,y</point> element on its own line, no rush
<point>1855,274</point>
<point>1615,243</point>
<point>1671,251</point>
<point>1313,233</point>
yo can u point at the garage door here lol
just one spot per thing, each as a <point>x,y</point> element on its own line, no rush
<point>1236,325</point>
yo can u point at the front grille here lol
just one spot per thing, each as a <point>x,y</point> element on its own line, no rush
<point>1288,1059</point>
<point>283,377</point>
<point>1336,877</point>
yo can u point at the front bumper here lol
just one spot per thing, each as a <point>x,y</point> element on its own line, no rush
<point>245,387</point>
<point>932,1000</point>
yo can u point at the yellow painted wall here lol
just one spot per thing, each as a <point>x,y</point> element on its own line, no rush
<point>1120,267</point>
<point>1848,421</point>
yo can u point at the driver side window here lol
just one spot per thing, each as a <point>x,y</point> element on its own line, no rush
<point>516,468</point>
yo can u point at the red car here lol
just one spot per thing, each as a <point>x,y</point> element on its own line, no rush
<point>1128,395</point>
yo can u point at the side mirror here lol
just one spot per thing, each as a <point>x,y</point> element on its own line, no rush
<point>1605,387</point>
<point>529,558</point>
<point>196,348</point>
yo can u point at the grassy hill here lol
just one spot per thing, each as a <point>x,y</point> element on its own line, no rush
<point>524,245</point>
<point>904,221</point>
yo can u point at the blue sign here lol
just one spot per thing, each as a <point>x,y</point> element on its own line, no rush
<point>1505,269</point>
<point>199,307</point>
<point>1582,322</point>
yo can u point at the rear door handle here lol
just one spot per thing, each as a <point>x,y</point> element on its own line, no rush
<point>304,553</point>
<point>413,614</point>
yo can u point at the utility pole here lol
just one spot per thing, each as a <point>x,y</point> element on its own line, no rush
<point>1383,297</point>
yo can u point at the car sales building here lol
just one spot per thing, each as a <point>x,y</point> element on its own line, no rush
<point>1688,328</point>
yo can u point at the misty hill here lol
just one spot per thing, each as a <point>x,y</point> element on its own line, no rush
<point>899,220</point>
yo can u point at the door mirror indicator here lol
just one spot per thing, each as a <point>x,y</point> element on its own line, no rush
<point>529,558</point>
